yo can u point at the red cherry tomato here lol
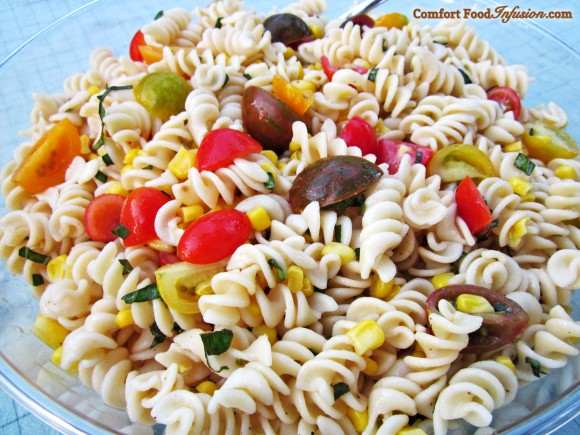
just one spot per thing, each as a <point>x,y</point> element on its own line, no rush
<point>102,216</point>
<point>392,151</point>
<point>219,148</point>
<point>214,236</point>
<point>138,214</point>
<point>508,98</point>
<point>471,206</point>
<point>363,20</point>
<point>137,41</point>
<point>328,68</point>
<point>168,258</point>
<point>358,132</point>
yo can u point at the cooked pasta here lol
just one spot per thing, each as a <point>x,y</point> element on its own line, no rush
<point>325,310</point>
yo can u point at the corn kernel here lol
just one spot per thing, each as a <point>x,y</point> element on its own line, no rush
<point>254,309</point>
<point>85,144</point>
<point>270,155</point>
<point>159,245</point>
<point>381,128</point>
<point>517,232</point>
<point>203,289</point>
<point>418,353</point>
<point>56,356</point>
<point>371,367</point>
<point>294,146</point>
<point>316,66</point>
<point>297,155</point>
<point>366,335</point>
<point>411,430</point>
<point>288,53</point>
<point>565,172</point>
<point>307,87</point>
<point>362,62</point>
<point>268,168</point>
<point>317,31</point>
<point>207,387</point>
<point>181,163</point>
<point>132,154</point>
<point>126,168</point>
<point>259,218</point>
<point>359,419</point>
<point>117,188</point>
<point>307,287</point>
<point>473,304</point>
<point>57,268</point>
<point>520,185</point>
<point>506,361</point>
<point>380,289</point>
<point>49,331</point>
<point>530,197</point>
<point>267,331</point>
<point>191,212</point>
<point>514,147</point>
<point>124,318</point>
<point>281,166</point>
<point>295,278</point>
<point>345,252</point>
<point>93,90</point>
<point>441,280</point>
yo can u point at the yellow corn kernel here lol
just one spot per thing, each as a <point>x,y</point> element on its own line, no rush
<point>93,156</point>
<point>514,147</point>
<point>307,287</point>
<point>191,212</point>
<point>345,252</point>
<point>294,146</point>
<point>411,430</point>
<point>316,66</point>
<point>254,309</point>
<point>85,144</point>
<point>295,278</point>
<point>181,163</point>
<point>117,188</point>
<point>362,62</point>
<point>49,331</point>
<point>381,128</point>
<point>297,155</point>
<point>259,218</point>
<point>520,185</point>
<point>124,318</point>
<point>57,268</point>
<point>288,53</point>
<point>203,289</point>
<point>132,154</point>
<point>207,387</point>
<point>418,353</point>
<point>56,356</point>
<point>517,232</point>
<point>270,155</point>
<point>359,419</point>
<point>93,90</point>
<point>267,331</point>
<point>159,245</point>
<point>528,198</point>
<point>371,367</point>
<point>473,304</point>
<point>308,87</point>
<point>565,172</point>
<point>380,289</point>
<point>317,31</point>
<point>366,335</point>
<point>281,166</point>
<point>506,361</point>
<point>441,280</point>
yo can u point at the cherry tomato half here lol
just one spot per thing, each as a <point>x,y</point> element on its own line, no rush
<point>455,162</point>
<point>328,68</point>
<point>357,132</point>
<point>392,151</point>
<point>214,236</point>
<point>547,143</point>
<point>219,148</point>
<point>471,206</point>
<point>138,214</point>
<point>363,20</point>
<point>51,156</point>
<point>137,41</point>
<point>168,258</point>
<point>102,216</point>
<point>498,328</point>
<point>508,98</point>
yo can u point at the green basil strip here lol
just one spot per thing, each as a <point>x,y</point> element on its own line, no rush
<point>536,367</point>
<point>101,99</point>
<point>466,79</point>
<point>216,343</point>
<point>523,163</point>
<point>218,23</point>
<point>107,160</point>
<point>373,75</point>
<point>270,184</point>
<point>281,272</point>
<point>158,336</point>
<point>121,231</point>
<point>340,389</point>
<point>158,15</point>
<point>338,233</point>
<point>37,279</point>
<point>127,268</point>
<point>102,177</point>
<point>143,294</point>
<point>35,257</point>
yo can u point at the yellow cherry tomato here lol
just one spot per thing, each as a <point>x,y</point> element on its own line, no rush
<point>546,143</point>
<point>163,94</point>
<point>455,162</point>
<point>392,20</point>
<point>51,156</point>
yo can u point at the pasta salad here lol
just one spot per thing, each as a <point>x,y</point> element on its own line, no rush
<point>281,223</point>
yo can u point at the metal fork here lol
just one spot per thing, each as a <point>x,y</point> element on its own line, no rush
<point>361,8</point>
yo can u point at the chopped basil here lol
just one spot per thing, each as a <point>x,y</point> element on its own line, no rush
<point>357,253</point>
<point>485,233</point>
<point>241,362</point>
<point>121,231</point>
<point>107,159</point>
<point>418,156</point>
<point>218,23</point>
<point>247,76</point>
<point>318,290</point>
<point>500,308</point>
<point>177,329</point>
<point>226,80</point>
<point>143,294</point>
<point>158,336</point>
<point>37,279</point>
<point>338,233</point>
<point>281,272</point>
<point>531,131</point>
<point>536,367</point>
<point>353,201</point>
<point>525,164</point>
<point>385,47</point>
<point>35,257</point>
<point>127,268</point>
<point>216,343</point>
<point>271,183</point>
<point>148,167</point>
<point>372,74</point>
<point>340,389</point>
<point>441,43</point>
<point>101,99</point>
<point>466,79</point>
<point>102,177</point>
<point>158,15</point>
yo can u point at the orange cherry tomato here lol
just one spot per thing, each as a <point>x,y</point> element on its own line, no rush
<point>214,236</point>
<point>219,148</point>
<point>102,216</point>
<point>138,214</point>
<point>151,54</point>
<point>392,20</point>
<point>46,165</point>
<point>291,95</point>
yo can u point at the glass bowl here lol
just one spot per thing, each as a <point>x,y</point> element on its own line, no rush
<point>63,49</point>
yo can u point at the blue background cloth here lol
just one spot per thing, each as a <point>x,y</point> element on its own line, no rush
<point>21,19</point>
